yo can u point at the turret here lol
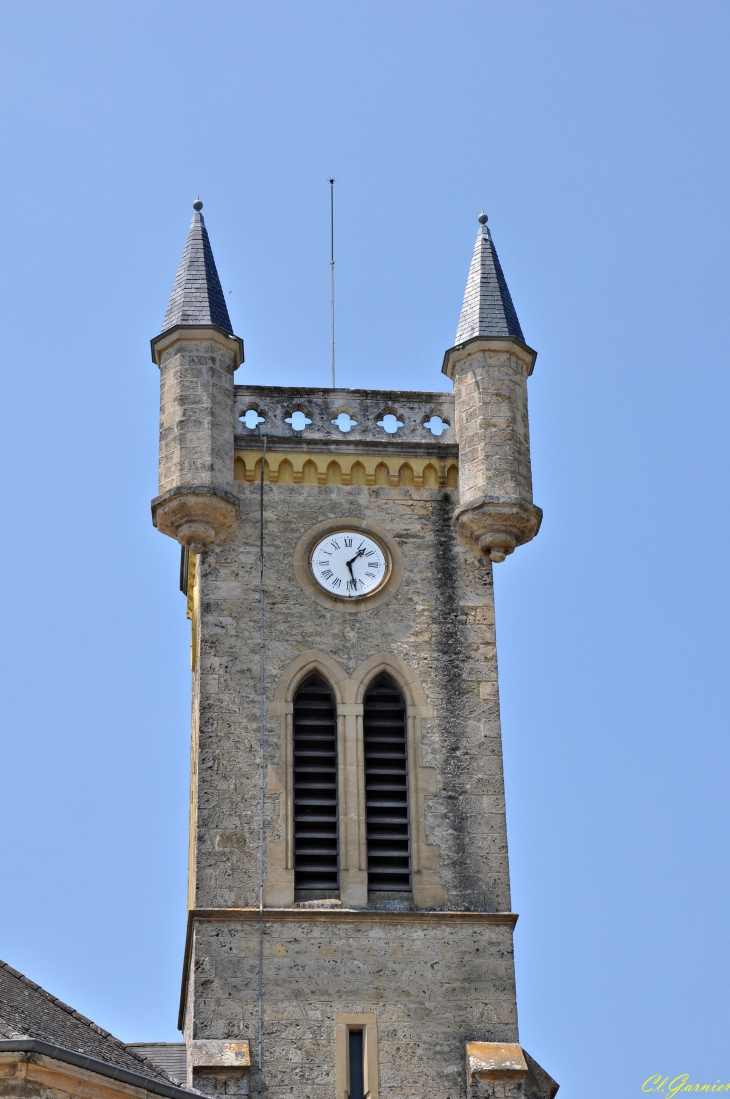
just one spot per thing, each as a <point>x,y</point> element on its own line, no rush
<point>489,365</point>
<point>197,354</point>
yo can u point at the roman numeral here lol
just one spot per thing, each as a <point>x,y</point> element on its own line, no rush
<point>348,541</point>
<point>369,553</point>
<point>352,585</point>
<point>370,575</point>
<point>373,564</point>
<point>335,543</point>
<point>326,574</point>
<point>336,583</point>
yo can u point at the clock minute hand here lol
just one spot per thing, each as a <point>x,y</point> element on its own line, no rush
<point>349,565</point>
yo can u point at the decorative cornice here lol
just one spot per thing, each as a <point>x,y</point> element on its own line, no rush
<point>489,343</point>
<point>197,332</point>
<point>401,448</point>
<point>348,915</point>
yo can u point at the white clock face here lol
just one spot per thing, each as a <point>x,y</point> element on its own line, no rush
<point>349,564</point>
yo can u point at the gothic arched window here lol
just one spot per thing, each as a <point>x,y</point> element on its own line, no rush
<point>386,787</point>
<point>315,787</point>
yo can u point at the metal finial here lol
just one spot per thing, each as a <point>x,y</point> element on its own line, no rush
<point>197,205</point>
<point>482,219</point>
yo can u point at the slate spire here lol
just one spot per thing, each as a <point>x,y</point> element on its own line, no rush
<point>197,297</point>
<point>487,308</point>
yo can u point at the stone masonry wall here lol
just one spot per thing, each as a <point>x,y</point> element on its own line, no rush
<point>196,412</point>
<point>433,985</point>
<point>492,426</point>
<point>434,980</point>
<point>440,623</point>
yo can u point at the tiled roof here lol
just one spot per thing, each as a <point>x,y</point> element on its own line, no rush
<point>487,308</point>
<point>28,1011</point>
<point>170,1056</point>
<point>197,297</point>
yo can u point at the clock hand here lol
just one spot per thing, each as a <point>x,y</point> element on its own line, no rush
<point>358,554</point>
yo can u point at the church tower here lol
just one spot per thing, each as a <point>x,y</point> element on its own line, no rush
<point>350,926</point>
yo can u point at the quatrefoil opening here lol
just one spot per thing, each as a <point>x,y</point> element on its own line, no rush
<point>345,421</point>
<point>252,419</point>
<point>436,425</point>
<point>390,423</point>
<point>298,420</point>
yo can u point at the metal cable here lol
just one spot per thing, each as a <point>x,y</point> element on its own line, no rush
<point>262,716</point>
<point>332,274</point>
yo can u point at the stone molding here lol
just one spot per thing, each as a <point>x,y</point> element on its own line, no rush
<point>497,527</point>
<point>196,333</point>
<point>349,693</point>
<point>219,1066</point>
<point>455,355</point>
<point>219,1053</point>
<point>495,1059</point>
<point>338,914</point>
<point>196,516</point>
<point>333,467</point>
<point>504,1070</point>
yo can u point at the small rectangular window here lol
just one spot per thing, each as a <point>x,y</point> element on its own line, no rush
<point>356,1057</point>
<point>356,1066</point>
<point>184,569</point>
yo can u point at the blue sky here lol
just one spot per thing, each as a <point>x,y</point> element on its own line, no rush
<point>595,136</point>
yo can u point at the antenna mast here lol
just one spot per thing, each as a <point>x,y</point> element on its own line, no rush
<point>332,273</point>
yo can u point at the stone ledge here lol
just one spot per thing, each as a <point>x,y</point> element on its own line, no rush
<point>504,1070</point>
<point>349,915</point>
<point>219,1053</point>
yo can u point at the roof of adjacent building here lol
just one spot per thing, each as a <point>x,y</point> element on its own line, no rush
<point>170,1056</point>
<point>28,1011</point>
<point>197,296</point>
<point>487,308</point>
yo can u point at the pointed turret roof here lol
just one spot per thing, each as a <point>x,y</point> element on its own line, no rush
<point>197,297</point>
<point>487,308</point>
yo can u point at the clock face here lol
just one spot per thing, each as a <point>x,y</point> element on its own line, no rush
<point>349,564</point>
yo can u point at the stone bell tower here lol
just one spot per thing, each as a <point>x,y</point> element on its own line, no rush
<point>349,926</point>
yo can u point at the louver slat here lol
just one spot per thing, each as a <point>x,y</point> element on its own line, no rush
<point>386,787</point>
<point>315,787</point>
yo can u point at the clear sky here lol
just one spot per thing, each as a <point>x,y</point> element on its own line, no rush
<point>595,136</point>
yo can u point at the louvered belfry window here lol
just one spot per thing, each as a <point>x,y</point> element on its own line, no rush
<point>386,787</point>
<point>315,786</point>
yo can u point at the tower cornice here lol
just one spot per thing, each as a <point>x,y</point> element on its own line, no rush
<point>488,343</point>
<point>197,332</point>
